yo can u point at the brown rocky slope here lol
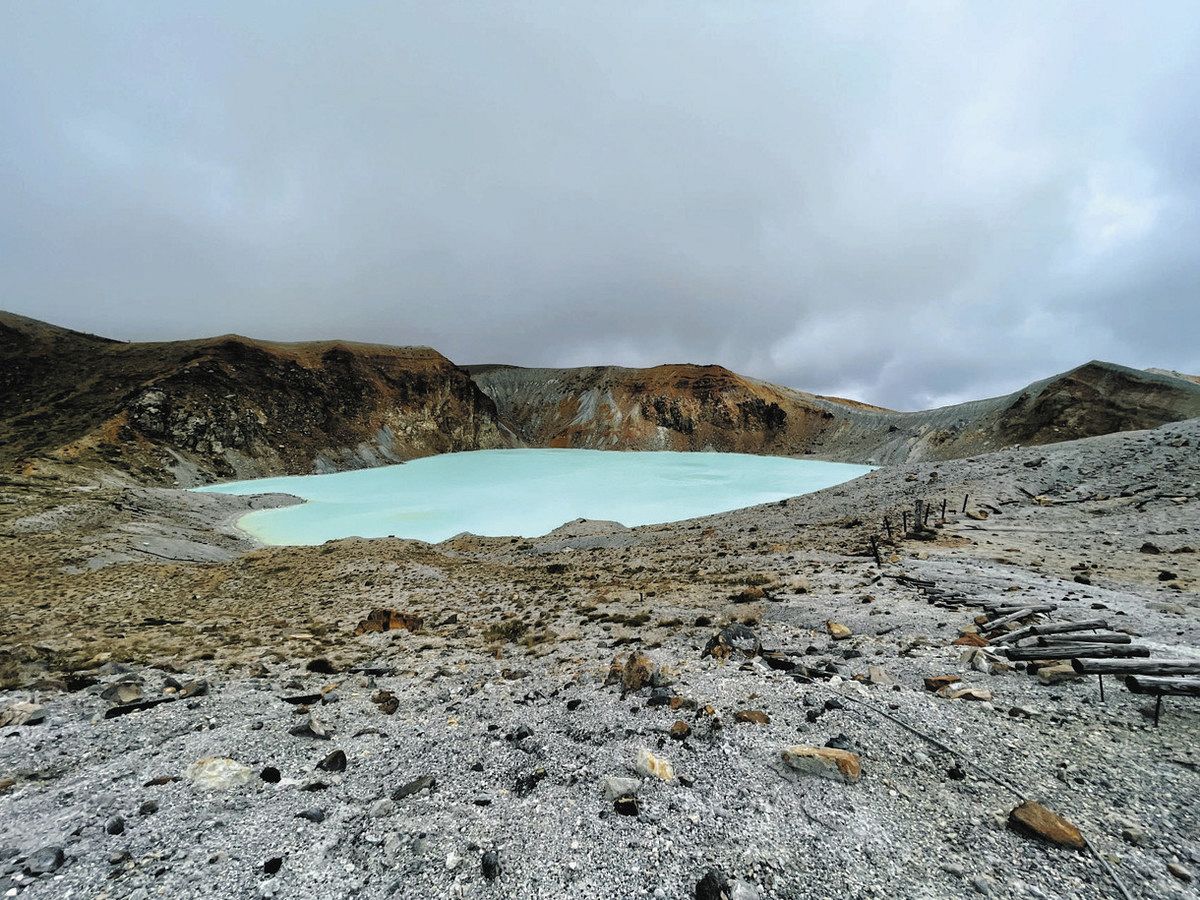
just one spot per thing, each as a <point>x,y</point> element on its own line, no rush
<point>685,407</point>
<point>226,407</point>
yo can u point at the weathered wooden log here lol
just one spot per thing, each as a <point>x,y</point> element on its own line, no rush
<point>1079,637</point>
<point>1175,686</point>
<point>1050,628</point>
<point>1021,613</point>
<point>1003,608</point>
<point>1078,653</point>
<point>1102,666</point>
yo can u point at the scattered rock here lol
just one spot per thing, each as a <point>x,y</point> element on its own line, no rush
<point>1150,548</point>
<point>22,713</point>
<point>489,863</point>
<point>936,683</point>
<point>270,775</point>
<point>837,630</point>
<point>387,702</point>
<point>218,773</point>
<point>752,717</point>
<point>334,762</point>
<point>734,638</point>
<point>382,808</point>
<point>714,886</point>
<point>1057,673</point>
<point>680,730</point>
<point>414,787</point>
<point>626,806</point>
<point>1031,818</point>
<point>115,825</point>
<point>315,814</point>
<point>45,860</point>
<point>1180,872</point>
<point>311,728</point>
<point>388,620</point>
<point>617,786</point>
<point>825,762</point>
<point>122,692</point>
<point>321,666</point>
<point>653,767</point>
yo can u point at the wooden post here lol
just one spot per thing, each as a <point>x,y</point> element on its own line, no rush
<point>1100,678</point>
<point>1157,708</point>
<point>875,551</point>
<point>943,510</point>
<point>928,510</point>
<point>887,524</point>
<point>905,521</point>
<point>918,514</point>
<point>964,509</point>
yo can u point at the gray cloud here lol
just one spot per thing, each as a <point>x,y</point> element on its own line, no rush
<point>909,204</point>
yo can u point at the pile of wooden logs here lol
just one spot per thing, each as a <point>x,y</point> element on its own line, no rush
<point>1090,648</point>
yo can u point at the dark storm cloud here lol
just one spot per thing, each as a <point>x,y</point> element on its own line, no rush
<point>908,204</point>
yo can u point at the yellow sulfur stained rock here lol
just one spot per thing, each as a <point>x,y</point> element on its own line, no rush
<point>653,766</point>
<point>825,762</point>
<point>837,630</point>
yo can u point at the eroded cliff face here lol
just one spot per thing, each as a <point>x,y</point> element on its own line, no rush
<point>709,408</point>
<point>193,411</point>
<point>670,407</point>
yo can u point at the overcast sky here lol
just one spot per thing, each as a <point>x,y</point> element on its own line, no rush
<point>910,205</point>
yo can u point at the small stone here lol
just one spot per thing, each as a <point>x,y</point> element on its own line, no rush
<point>334,762</point>
<point>680,730</point>
<point>453,861</point>
<point>626,806</point>
<point>115,825</point>
<point>1150,548</point>
<point>1180,872</point>
<point>421,783</point>
<point>877,675</point>
<point>45,860</point>
<point>22,713</point>
<point>382,808</point>
<point>615,786</point>
<point>937,682</point>
<point>1134,834</point>
<point>489,863</point>
<point>315,814</point>
<point>743,890</point>
<point>713,886</point>
<point>310,727</point>
<point>652,766</point>
<point>321,666</point>
<point>273,865</point>
<point>218,773</point>
<point>837,630</point>
<point>270,775</point>
<point>1034,819</point>
<point>149,808</point>
<point>122,692</point>
<point>980,695</point>
<point>1057,674</point>
<point>752,717</point>
<point>825,762</point>
<point>1165,575</point>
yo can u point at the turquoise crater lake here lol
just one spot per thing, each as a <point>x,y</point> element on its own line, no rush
<point>525,492</point>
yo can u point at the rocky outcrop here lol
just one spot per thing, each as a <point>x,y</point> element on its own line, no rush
<point>710,408</point>
<point>195,411</point>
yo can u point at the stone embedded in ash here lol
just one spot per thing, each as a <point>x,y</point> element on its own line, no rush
<point>1166,575</point>
<point>414,787</point>
<point>270,775</point>
<point>937,682</point>
<point>617,786</point>
<point>195,688</point>
<point>972,639</point>
<point>1150,548</point>
<point>334,762</point>
<point>390,620</point>
<point>574,703</point>
<point>626,806</point>
<point>1179,872</point>
<point>44,860</point>
<point>115,825</point>
<point>840,742</point>
<point>387,702</point>
<point>680,730</point>
<point>489,864</point>
<point>653,766</point>
<point>660,697</point>
<point>273,865</point>
<point>148,808</point>
<point>315,814</point>
<point>752,717</point>
<point>980,695</point>
<point>1057,673</point>
<point>310,728</point>
<point>382,808</point>
<point>779,661</point>
<point>218,773</point>
<point>321,666</point>
<point>122,692</point>
<point>1031,818</point>
<point>22,713</point>
<point>750,594</point>
<point>632,673</point>
<point>733,638</point>
<point>526,783</point>
<point>837,630</point>
<point>824,762</point>
<point>877,675</point>
<point>714,886</point>
<point>520,733</point>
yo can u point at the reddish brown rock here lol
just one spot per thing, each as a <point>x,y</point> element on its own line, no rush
<point>752,717</point>
<point>388,620</point>
<point>824,762</point>
<point>937,682</point>
<point>1031,818</point>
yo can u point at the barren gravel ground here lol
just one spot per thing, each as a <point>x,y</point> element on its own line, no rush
<point>499,696</point>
